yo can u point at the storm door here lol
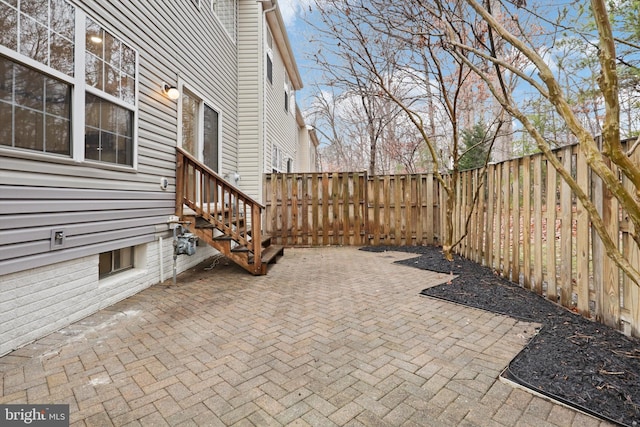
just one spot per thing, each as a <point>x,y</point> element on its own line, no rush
<point>200,134</point>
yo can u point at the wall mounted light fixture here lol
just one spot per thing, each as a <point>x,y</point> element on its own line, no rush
<point>172,92</point>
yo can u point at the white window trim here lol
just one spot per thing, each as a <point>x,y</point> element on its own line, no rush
<point>279,156</point>
<point>212,7</point>
<point>78,90</point>
<point>182,86</point>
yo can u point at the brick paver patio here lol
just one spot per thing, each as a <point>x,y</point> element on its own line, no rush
<point>331,336</point>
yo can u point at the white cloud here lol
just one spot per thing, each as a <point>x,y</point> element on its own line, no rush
<point>292,9</point>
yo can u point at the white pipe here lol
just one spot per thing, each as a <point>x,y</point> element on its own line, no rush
<point>161,259</point>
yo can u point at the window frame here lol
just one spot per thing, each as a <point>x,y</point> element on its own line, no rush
<point>268,55</point>
<point>78,90</point>
<point>114,271</point>
<point>276,158</point>
<point>223,20</point>
<point>289,94</point>
<point>182,87</point>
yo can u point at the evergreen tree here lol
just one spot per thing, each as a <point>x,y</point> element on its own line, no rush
<point>475,147</point>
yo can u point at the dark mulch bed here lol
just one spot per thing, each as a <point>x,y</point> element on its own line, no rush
<point>572,359</point>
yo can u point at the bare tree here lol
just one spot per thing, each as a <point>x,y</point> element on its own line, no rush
<point>392,47</point>
<point>541,77</point>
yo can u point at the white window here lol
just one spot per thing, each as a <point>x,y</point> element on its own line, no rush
<point>68,86</point>
<point>276,159</point>
<point>35,110</point>
<point>269,58</point>
<point>289,94</point>
<point>200,130</point>
<point>113,262</point>
<point>226,11</point>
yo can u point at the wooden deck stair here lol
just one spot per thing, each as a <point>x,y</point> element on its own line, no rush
<point>222,216</point>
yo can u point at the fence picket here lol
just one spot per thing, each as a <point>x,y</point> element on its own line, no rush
<point>582,239</point>
<point>537,223</point>
<point>566,228</point>
<point>517,244</point>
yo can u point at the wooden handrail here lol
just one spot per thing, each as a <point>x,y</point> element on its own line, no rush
<point>211,197</point>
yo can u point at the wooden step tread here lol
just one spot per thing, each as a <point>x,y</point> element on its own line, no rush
<point>270,253</point>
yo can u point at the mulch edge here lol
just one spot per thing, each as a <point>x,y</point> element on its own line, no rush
<point>509,376</point>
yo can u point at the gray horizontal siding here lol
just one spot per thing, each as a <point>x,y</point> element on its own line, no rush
<point>19,221</point>
<point>93,221</point>
<point>76,233</point>
<point>27,262</point>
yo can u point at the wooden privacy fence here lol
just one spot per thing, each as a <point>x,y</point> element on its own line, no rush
<point>525,223</point>
<point>351,208</point>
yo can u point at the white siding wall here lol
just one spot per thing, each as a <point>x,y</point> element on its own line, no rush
<point>282,127</point>
<point>49,298</point>
<point>251,81</point>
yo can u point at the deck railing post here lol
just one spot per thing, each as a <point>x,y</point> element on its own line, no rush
<point>180,181</point>
<point>256,235</point>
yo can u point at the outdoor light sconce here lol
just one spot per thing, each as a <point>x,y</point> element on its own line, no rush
<point>172,92</point>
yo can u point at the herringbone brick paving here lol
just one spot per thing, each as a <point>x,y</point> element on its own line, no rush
<point>330,337</point>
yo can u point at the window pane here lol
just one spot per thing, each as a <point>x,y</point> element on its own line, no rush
<point>57,135</point>
<point>125,151</point>
<point>111,50</point>
<point>6,80</point>
<point>58,98</point>
<point>91,143</point>
<point>107,147</point>
<point>62,18</point>
<point>8,27</point>
<point>104,263</point>
<point>106,124</point>
<point>34,39</point>
<point>111,80</point>
<point>29,88</point>
<point>210,138</point>
<point>128,88</point>
<point>123,121</point>
<point>28,129</point>
<point>6,117</point>
<point>126,257</point>
<point>189,123</point>
<point>108,116</point>
<point>128,60</point>
<point>92,111</point>
<point>93,67</point>
<point>94,38</point>
<point>61,54</point>
<point>37,9</point>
